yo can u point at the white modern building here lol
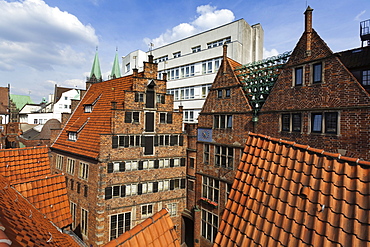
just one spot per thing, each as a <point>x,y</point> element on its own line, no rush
<point>191,64</point>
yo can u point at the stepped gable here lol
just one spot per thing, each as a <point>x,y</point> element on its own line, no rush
<point>21,224</point>
<point>49,195</point>
<point>20,164</point>
<point>157,231</point>
<point>286,194</point>
<point>90,125</point>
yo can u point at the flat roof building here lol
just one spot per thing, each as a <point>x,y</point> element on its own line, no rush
<point>192,63</point>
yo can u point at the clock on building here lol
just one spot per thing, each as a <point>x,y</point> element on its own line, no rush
<point>205,135</point>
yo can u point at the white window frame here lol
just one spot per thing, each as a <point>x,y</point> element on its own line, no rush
<point>209,225</point>
<point>71,166</point>
<point>172,208</point>
<point>83,170</point>
<point>59,162</point>
<point>149,210</point>
<point>118,231</point>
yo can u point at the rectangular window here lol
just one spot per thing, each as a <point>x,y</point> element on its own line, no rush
<point>206,153</point>
<point>83,171</point>
<point>285,122</point>
<point>209,225</point>
<point>73,208</point>
<point>119,223</point>
<point>366,78</point>
<point>132,117</point>
<point>219,93</point>
<point>88,108</point>
<point>139,97</point>
<point>316,122</point>
<point>196,49</point>
<point>72,136</point>
<point>296,122</point>
<point>298,76</point>
<point>331,122</point>
<point>172,208</point>
<point>317,73</point>
<point>59,163</point>
<point>177,54</point>
<point>222,121</point>
<point>224,156</point>
<point>227,93</point>
<point>71,166</point>
<point>84,221</point>
<point>210,188</point>
<point>146,210</point>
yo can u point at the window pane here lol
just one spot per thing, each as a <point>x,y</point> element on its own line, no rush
<point>298,76</point>
<point>296,123</point>
<point>331,122</point>
<point>317,73</point>
<point>285,122</point>
<point>317,122</point>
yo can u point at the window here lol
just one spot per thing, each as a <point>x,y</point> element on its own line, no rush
<point>227,93</point>
<point>86,190</point>
<point>210,188</point>
<point>177,54</point>
<point>206,153</point>
<point>222,121</point>
<point>165,117</point>
<point>205,90</point>
<point>139,97</point>
<point>172,208</point>
<point>161,59</point>
<point>72,136</point>
<point>209,225</point>
<point>196,49</point>
<point>73,208</point>
<point>366,78</point>
<point>224,156</point>
<point>191,162</point>
<point>127,67</point>
<point>317,73</point>
<point>70,166</point>
<point>83,171</point>
<point>88,108</point>
<point>190,185</point>
<point>59,163</point>
<point>219,93</point>
<point>146,210</point>
<point>161,98</point>
<point>84,221</point>
<point>219,42</point>
<point>324,122</point>
<point>119,224</point>
<point>132,117</point>
<point>298,76</point>
<point>227,190</point>
<point>211,66</point>
<point>291,122</point>
<point>188,115</point>
<point>78,187</point>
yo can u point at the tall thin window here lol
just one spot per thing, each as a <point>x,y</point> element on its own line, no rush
<point>317,73</point>
<point>206,154</point>
<point>209,225</point>
<point>296,122</point>
<point>210,188</point>
<point>298,79</point>
<point>331,122</point>
<point>84,221</point>
<point>316,122</point>
<point>285,122</point>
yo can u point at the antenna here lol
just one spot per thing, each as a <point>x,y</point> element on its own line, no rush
<point>151,45</point>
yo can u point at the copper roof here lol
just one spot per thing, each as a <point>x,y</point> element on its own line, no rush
<point>286,194</point>
<point>155,231</point>
<point>23,225</point>
<point>21,164</point>
<point>49,195</point>
<point>89,126</point>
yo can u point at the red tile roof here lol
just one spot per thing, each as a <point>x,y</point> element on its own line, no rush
<point>20,164</point>
<point>89,126</point>
<point>286,194</point>
<point>23,225</point>
<point>155,231</point>
<point>49,195</point>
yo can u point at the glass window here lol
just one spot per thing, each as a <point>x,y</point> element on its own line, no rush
<point>298,79</point>
<point>296,122</point>
<point>317,73</point>
<point>119,223</point>
<point>209,225</point>
<point>331,122</point>
<point>366,77</point>
<point>316,122</point>
<point>285,122</point>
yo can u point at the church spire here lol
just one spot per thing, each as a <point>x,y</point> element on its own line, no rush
<point>95,75</point>
<point>116,72</point>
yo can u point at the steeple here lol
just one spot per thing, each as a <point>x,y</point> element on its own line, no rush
<point>116,72</point>
<point>95,75</point>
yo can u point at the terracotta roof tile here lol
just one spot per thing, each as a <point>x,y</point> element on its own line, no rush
<point>23,224</point>
<point>91,125</point>
<point>24,163</point>
<point>156,231</point>
<point>49,195</point>
<point>287,194</point>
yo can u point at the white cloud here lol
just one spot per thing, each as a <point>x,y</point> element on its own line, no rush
<point>358,17</point>
<point>33,34</point>
<point>208,17</point>
<point>272,52</point>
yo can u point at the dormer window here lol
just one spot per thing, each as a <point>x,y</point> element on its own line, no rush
<point>72,136</point>
<point>88,108</point>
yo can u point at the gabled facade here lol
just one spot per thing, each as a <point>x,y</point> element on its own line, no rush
<point>318,101</point>
<point>123,152</point>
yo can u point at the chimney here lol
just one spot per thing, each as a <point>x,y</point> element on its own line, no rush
<point>134,72</point>
<point>308,29</point>
<point>150,57</point>
<point>224,56</point>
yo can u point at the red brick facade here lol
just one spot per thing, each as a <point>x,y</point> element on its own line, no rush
<point>136,165</point>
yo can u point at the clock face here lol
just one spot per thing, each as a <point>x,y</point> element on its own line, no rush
<point>205,135</point>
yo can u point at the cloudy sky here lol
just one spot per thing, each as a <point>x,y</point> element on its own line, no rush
<point>44,43</point>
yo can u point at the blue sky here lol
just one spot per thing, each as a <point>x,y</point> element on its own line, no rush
<point>51,42</point>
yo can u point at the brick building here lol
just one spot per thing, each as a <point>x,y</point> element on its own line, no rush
<point>319,98</point>
<point>310,96</point>
<point>123,153</point>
